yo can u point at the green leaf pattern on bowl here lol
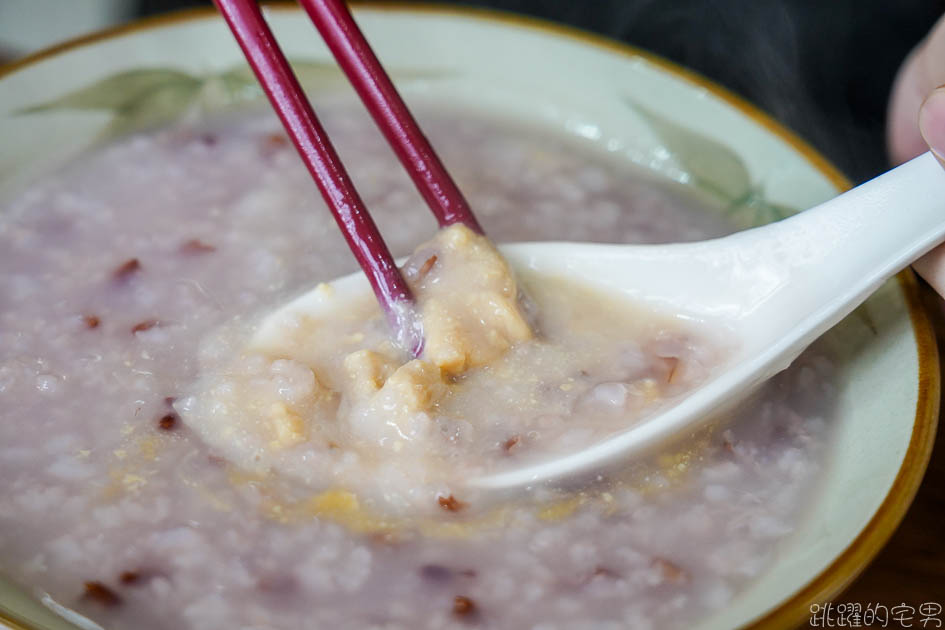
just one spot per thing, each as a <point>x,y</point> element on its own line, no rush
<point>148,97</point>
<point>136,98</point>
<point>716,170</point>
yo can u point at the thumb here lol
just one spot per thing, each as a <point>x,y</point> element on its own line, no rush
<point>932,127</point>
<point>932,122</point>
<point>912,93</point>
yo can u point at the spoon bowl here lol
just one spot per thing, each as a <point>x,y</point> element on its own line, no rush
<point>772,290</point>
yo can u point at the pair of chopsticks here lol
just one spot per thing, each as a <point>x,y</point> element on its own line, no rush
<point>359,63</point>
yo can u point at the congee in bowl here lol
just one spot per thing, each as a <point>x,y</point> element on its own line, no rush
<point>161,468</point>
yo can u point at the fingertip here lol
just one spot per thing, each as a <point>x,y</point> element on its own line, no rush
<point>932,122</point>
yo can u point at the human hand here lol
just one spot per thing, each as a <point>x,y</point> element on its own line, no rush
<point>916,123</point>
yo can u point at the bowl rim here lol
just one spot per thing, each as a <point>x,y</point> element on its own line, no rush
<point>846,566</point>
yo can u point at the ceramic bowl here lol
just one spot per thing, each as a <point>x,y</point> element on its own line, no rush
<point>652,113</point>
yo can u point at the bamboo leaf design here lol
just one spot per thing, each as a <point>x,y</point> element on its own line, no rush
<point>147,97</point>
<point>711,166</point>
<point>753,210</point>
<point>122,92</point>
<point>715,169</point>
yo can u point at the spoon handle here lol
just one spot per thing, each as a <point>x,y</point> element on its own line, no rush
<point>835,255</point>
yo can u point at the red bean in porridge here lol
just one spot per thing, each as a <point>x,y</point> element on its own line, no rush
<point>131,283</point>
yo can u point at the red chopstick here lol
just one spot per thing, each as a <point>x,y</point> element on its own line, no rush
<point>365,73</point>
<point>281,86</point>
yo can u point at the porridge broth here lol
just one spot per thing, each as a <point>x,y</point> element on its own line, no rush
<point>118,268</point>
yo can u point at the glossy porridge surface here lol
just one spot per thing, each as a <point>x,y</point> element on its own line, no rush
<point>116,271</point>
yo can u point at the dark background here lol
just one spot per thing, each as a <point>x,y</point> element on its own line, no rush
<point>824,68</point>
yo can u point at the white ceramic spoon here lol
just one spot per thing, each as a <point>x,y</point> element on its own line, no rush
<point>776,288</point>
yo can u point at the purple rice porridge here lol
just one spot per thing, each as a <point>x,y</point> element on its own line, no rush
<point>140,487</point>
